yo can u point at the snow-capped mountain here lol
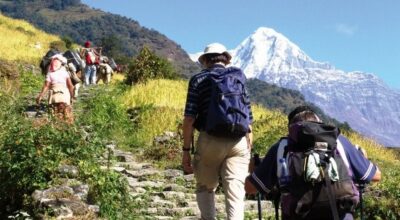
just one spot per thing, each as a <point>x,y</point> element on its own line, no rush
<point>361,99</point>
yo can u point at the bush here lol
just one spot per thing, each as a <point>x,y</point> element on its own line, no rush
<point>30,156</point>
<point>147,65</point>
<point>31,153</point>
<point>107,117</point>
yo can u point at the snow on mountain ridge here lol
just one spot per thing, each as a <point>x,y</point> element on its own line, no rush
<point>268,49</point>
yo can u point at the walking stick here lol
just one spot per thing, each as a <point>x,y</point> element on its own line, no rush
<point>361,188</point>
<point>256,163</point>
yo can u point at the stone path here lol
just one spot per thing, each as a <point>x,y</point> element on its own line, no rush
<point>169,193</point>
<point>172,195</point>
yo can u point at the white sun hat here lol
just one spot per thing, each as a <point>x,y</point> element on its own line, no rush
<point>60,58</point>
<point>215,48</point>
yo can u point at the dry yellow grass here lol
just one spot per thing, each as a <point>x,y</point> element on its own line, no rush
<point>117,77</point>
<point>169,97</point>
<point>374,150</point>
<point>159,93</point>
<point>20,41</point>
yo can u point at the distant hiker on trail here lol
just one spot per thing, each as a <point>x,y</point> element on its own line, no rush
<point>105,71</point>
<point>59,83</point>
<point>75,78</point>
<point>217,105</point>
<point>91,57</point>
<point>312,171</point>
<point>75,67</point>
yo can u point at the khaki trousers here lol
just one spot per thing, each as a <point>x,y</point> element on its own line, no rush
<point>223,158</point>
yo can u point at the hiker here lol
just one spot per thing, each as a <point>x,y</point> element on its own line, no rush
<point>59,83</point>
<point>91,57</point>
<point>105,71</point>
<point>269,175</point>
<point>222,150</point>
<point>46,59</point>
<point>74,68</point>
<point>75,78</point>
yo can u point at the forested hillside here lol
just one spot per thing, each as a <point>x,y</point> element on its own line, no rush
<point>120,37</point>
<point>274,97</point>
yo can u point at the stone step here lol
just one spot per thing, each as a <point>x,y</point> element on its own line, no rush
<point>142,173</point>
<point>146,184</point>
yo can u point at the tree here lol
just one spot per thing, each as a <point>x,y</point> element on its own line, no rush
<point>112,46</point>
<point>147,65</point>
<point>68,41</point>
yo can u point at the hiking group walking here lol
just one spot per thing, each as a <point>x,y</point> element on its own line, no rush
<point>311,174</point>
<point>64,76</point>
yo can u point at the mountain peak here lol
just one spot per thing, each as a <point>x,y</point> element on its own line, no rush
<point>266,31</point>
<point>270,50</point>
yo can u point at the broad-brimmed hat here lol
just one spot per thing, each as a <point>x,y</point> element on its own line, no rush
<point>215,48</point>
<point>60,58</point>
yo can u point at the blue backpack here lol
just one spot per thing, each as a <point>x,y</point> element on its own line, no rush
<point>228,113</point>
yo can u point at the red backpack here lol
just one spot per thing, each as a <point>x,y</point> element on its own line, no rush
<point>90,57</point>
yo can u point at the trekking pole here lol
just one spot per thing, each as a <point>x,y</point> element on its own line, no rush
<point>256,163</point>
<point>276,205</point>
<point>37,109</point>
<point>259,206</point>
<point>361,188</point>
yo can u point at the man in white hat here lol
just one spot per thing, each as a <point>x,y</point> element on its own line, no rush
<point>219,152</point>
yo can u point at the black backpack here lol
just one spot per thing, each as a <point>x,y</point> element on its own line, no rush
<point>112,64</point>
<point>228,113</point>
<point>314,180</point>
<point>74,58</point>
<point>45,62</point>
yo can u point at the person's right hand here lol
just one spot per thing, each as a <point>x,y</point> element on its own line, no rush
<point>38,99</point>
<point>187,163</point>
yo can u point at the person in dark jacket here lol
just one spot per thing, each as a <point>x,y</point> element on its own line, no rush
<point>264,178</point>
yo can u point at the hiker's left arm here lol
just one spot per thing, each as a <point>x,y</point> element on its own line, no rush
<point>264,177</point>
<point>45,87</point>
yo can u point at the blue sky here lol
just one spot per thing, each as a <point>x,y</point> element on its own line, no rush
<point>349,34</point>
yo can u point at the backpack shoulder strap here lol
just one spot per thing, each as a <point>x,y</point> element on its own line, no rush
<point>280,154</point>
<point>342,153</point>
